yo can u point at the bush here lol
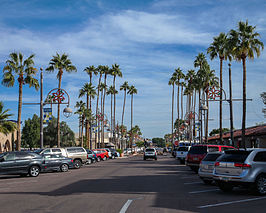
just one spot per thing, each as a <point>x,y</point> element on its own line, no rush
<point>119,151</point>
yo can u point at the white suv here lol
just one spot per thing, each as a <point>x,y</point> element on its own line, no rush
<point>181,153</point>
<point>150,153</point>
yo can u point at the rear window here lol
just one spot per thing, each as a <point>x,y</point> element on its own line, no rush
<point>212,157</point>
<point>149,150</point>
<point>238,156</point>
<point>71,150</point>
<point>183,149</point>
<point>213,148</point>
<point>198,150</point>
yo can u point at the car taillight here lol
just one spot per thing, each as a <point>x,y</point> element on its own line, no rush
<point>217,164</point>
<point>242,165</point>
<point>72,161</point>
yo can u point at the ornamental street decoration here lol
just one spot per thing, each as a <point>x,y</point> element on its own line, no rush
<point>57,96</point>
<point>47,115</point>
<point>214,93</point>
<point>100,116</point>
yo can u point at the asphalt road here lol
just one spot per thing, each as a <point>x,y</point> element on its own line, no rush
<point>123,185</point>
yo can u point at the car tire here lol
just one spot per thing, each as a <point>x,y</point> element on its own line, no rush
<point>89,161</point>
<point>207,182</point>
<point>144,158</point>
<point>155,158</point>
<point>225,187</point>
<point>260,185</point>
<point>113,157</point>
<point>77,164</point>
<point>98,159</point>
<point>34,171</point>
<point>104,158</point>
<point>64,167</point>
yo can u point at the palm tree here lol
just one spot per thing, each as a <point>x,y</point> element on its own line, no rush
<point>102,88</point>
<point>131,91</point>
<point>6,126</point>
<point>218,48</point>
<point>90,71</point>
<point>81,106</point>
<point>182,84</point>
<point>115,71</point>
<point>60,63</point>
<point>24,70</point>
<point>247,45</point>
<point>180,75</point>
<point>90,93</point>
<point>124,87</point>
<point>172,83</point>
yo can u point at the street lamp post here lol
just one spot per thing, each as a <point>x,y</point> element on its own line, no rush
<point>202,109</point>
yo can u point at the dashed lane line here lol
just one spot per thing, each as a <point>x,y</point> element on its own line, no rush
<point>202,191</point>
<point>190,183</point>
<point>231,202</point>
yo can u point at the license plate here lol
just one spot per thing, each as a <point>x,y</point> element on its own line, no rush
<point>195,158</point>
<point>224,178</point>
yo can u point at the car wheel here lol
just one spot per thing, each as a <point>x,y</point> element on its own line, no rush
<point>34,171</point>
<point>98,159</point>
<point>104,158</point>
<point>77,164</point>
<point>144,158</point>
<point>89,161</point>
<point>260,185</point>
<point>155,158</point>
<point>207,182</point>
<point>113,157</point>
<point>225,187</point>
<point>64,167</point>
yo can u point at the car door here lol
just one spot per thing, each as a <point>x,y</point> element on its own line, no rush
<point>22,161</point>
<point>8,164</point>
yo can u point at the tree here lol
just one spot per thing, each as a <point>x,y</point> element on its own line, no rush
<point>160,142</point>
<point>50,134</point>
<point>172,83</point>
<point>60,63</point>
<point>90,71</point>
<point>217,131</point>
<point>25,71</point>
<point>132,91</point>
<point>102,88</point>
<point>31,132</point>
<point>80,111</point>
<point>263,97</point>
<point>247,45</point>
<point>218,49</point>
<point>115,71</point>
<point>124,87</point>
<point>6,126</point>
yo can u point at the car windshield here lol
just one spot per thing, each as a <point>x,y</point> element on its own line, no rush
<point>183,149</point>
<point>149,150</point>
<point>198,150</point>
<point>238,156</point>
<point>212,156</point>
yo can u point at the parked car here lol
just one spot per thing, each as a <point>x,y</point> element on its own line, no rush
<point>91,156</point>
<point>181,153</point>
<point>101,154</point>
<point>198,152</point>
<point>150,153</point>
<point>242,168</point>
<point>57,162</point>
<point>77,154</point>
<point>21,163</point>
<point>174,151</point>
<point>207,166</point>
<point>114,152</point>
<point>110,155</point>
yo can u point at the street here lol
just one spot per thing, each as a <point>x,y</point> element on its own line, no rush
<point>123,185</point>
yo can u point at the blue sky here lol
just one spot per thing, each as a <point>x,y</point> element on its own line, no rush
<point>148,39</point>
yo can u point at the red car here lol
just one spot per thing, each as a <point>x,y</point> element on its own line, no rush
<point>198,152</point>
<point>101,154</point>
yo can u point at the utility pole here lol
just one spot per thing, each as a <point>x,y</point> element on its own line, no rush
<point>41,110</point>
<point>231,106</point>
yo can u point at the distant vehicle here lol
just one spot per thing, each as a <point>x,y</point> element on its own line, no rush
<point>150,153</point>
<point>77,154</point>
<point>21,163</point>
<point>207,166</point>
<point>110,155</point>
<point>198,152</point>
<point>242,168</point>
<point>57,162</point>
<point>181,153</point>
<point>91,156</point>
<point>101,154</point>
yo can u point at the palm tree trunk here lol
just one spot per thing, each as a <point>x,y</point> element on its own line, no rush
<point>200,119</point>
<point>102,132</point>
<point>194,116</point>
<point>97,119</point>
<point>178,110</point>
<point>207,117</point>
<point>125,95</point>
<point>231,106</point>
<point>82,125</point>
<point>181,102</point>
<point>19,115</point>
<point>244,103</point>
<point>105,77</point>
<point>112,117</point>
<point>58,111</point>
<point>87,124</point>
<point>114,114</point>
<point>173,98</point>
<point>131,123</point>
<point>221,101</point>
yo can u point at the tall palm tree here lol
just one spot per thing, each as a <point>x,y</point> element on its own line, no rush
<point>90,71</point>
<point>89,90</point>
<point>180,75</point>
<point>102,88</point>
<point>124,87</point>
<point>6,126</point>
<point>16,66</point>
<point>80,111</point>
<point>115,71</point>
<point>132,91</point>
<point>60,63</point>
<point>247,45</point>
<point>182,84</point>
<point>172,83</point>
<point>218,48</point>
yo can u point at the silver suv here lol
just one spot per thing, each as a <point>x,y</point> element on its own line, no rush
<point>150,153</point>
<point>77,154</point>
<point>181,153</point>
<point>241,167</point>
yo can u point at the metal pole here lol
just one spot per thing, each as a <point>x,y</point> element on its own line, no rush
<point>41,110</point>
<point>231,106</point>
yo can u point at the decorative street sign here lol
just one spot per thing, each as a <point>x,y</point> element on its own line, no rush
<point>47,115</point>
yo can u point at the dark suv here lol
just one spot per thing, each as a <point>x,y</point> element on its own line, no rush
<point>22,163</point>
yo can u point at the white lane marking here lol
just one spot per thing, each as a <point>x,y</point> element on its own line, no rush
<point>192,183</point>
<point>209,190</point>
<point>125,207</point>
<point>231,202</point>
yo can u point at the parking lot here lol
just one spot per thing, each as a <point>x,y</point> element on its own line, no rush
<point>123,185</point>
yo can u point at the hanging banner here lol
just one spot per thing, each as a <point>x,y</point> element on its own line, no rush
<point>47,115</point>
